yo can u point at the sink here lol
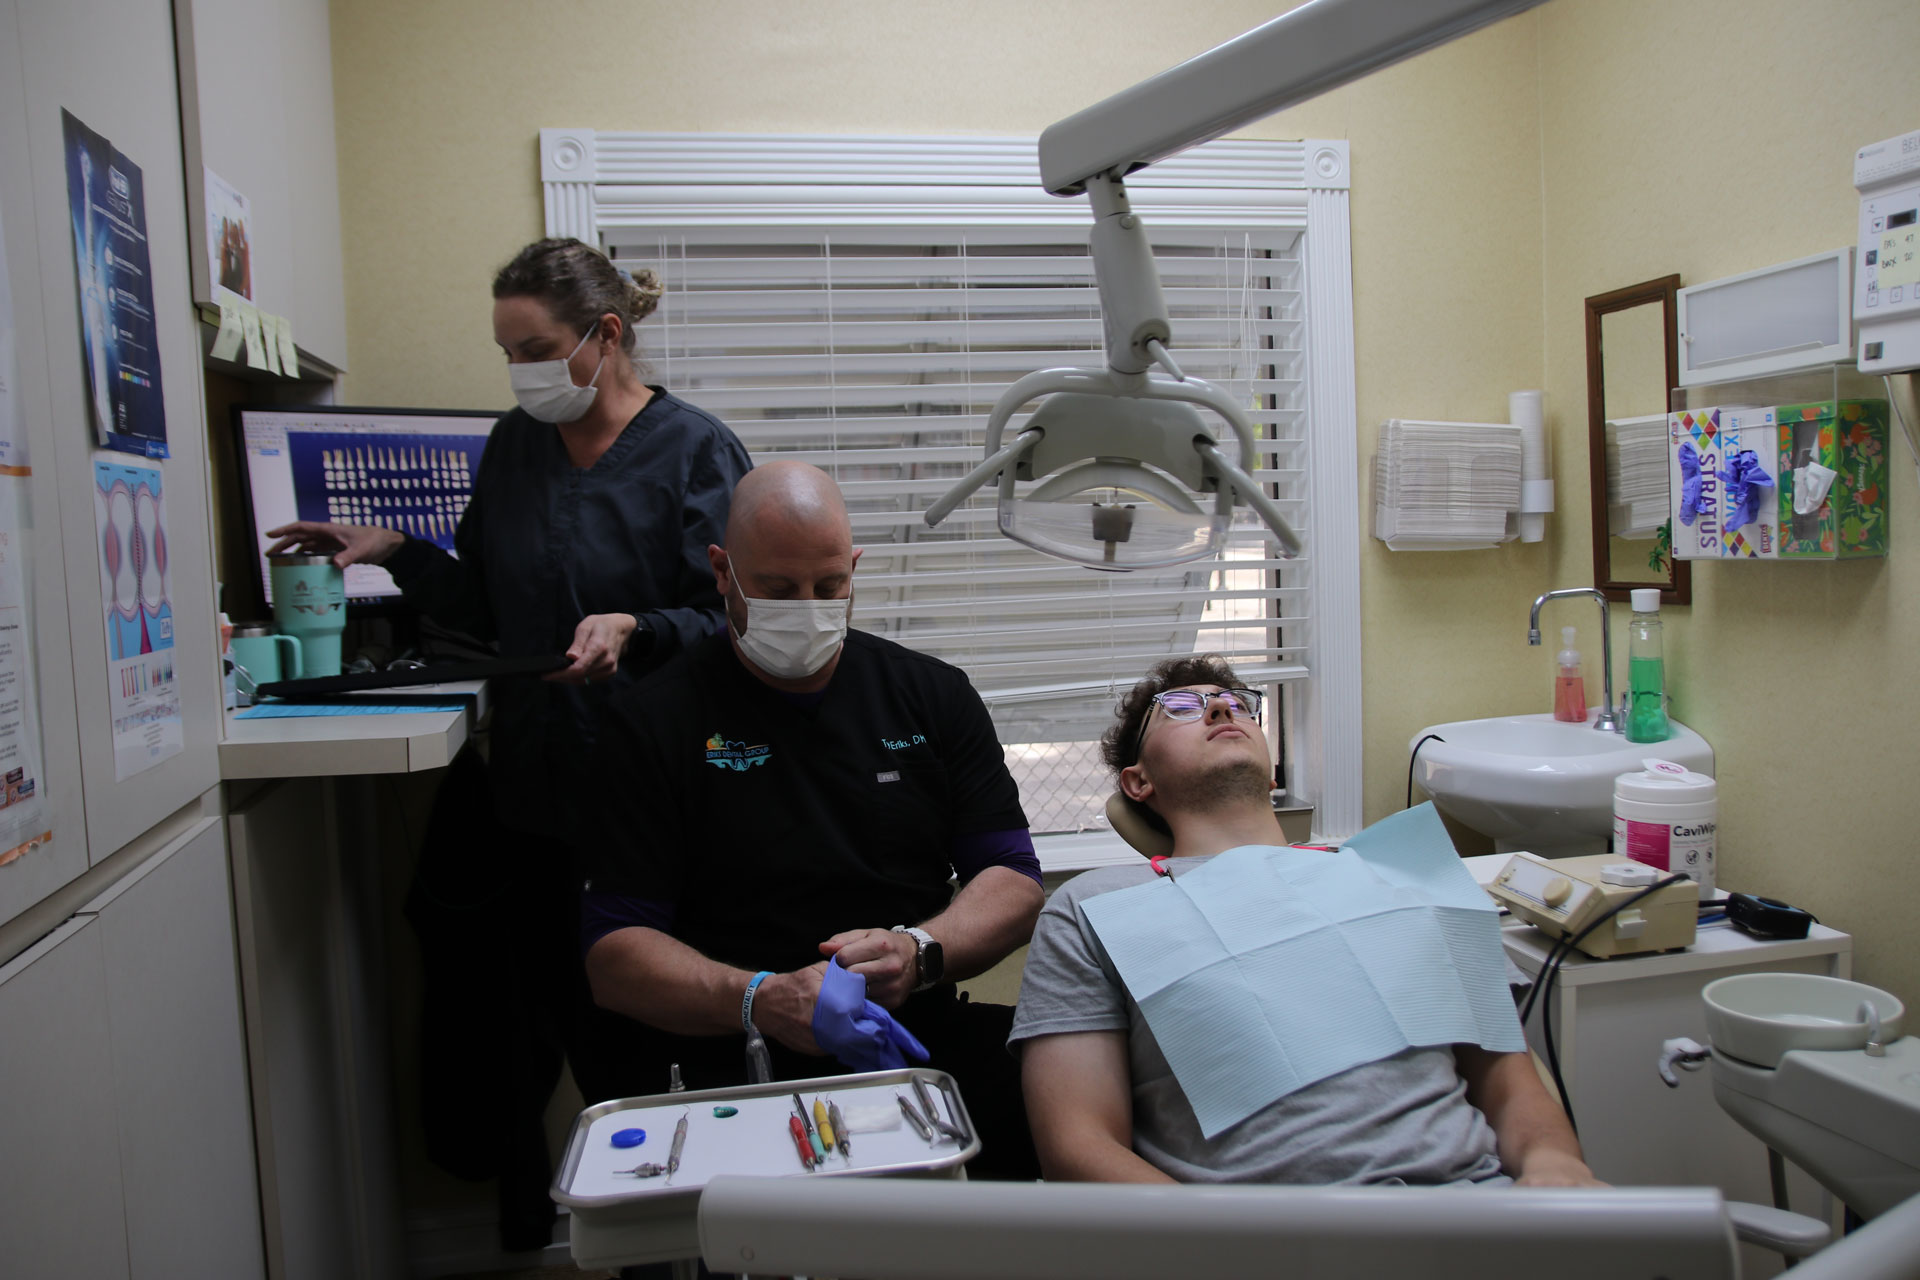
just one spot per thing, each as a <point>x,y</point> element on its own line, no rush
<point>1791,1063</point>
<point>1538,784</point>
<point>1761,1017</point>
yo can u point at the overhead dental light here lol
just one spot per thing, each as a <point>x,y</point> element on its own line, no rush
<point>1131,474</point>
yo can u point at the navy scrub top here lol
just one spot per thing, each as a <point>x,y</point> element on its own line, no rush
<point>543,544</point>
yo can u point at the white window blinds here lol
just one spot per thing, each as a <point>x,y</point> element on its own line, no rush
<point>876,352</point>
<point>860,302</point>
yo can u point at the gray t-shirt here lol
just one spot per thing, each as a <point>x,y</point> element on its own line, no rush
<point>1403,1119</point>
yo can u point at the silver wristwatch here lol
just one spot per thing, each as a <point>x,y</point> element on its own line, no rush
<point>929,960</point>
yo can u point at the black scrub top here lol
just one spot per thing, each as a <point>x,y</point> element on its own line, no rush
<point>771,823</point>
<point>543,544</point>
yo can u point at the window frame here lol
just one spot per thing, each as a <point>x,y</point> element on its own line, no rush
<point>600,183</point>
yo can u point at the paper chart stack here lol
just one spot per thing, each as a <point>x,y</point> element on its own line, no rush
<point>1637,476</point>
<point>1445,486</point>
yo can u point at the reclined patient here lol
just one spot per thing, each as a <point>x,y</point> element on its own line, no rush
<point>1287,1058</point>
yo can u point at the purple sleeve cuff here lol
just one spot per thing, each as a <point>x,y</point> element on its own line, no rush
<point>1012,849</point>
<point>605,913</point>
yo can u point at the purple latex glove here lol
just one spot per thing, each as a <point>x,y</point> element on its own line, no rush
<point>1744,477</point>
<point>856,1030</point>
<point>1689,484</point>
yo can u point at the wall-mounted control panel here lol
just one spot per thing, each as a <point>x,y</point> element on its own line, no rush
<point>1886,280</point>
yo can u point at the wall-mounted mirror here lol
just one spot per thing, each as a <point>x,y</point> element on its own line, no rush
<point>1632,361</point>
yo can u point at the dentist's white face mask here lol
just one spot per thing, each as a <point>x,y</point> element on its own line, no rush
<point>791,639</point>
<point>545,388</point>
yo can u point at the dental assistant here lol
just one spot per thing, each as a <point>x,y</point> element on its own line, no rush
<point>587,533</point>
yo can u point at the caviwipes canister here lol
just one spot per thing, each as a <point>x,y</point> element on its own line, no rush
<point>1665,816</point>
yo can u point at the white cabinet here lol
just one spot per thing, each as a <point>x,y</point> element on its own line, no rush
<point>180,1066</point>
<point>60,1204</point>
<point>126,1118</point>
<point>1609,1018</point>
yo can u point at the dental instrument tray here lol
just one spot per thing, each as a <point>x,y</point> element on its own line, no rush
<point>620,1217</point>
<point>1562,896</point>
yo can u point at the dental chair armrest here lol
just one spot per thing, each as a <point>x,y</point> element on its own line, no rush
<point>1794,1235</point>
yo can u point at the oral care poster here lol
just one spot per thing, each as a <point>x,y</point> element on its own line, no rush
<point>119,340</point>
<point>23,809</point>
<point>136,597</point>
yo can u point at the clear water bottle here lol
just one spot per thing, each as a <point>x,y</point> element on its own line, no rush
<point>1646,671</point>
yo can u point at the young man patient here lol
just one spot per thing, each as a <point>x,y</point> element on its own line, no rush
<point>1103,1101</point>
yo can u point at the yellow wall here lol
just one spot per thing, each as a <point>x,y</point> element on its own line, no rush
<point>1711,139</point>
<point>1498,181</point>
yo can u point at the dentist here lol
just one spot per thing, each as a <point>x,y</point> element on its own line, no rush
<point>809,793</point>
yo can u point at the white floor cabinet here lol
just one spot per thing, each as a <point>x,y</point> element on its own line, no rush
<point>123,1072</point>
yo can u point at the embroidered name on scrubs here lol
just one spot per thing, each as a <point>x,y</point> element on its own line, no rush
<point>1269,969</point>
<point>738,756</point>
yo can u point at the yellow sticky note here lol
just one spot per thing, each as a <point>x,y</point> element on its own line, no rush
<point>226,343</point>
<point>270,340</point>
<point>289,354</point>
<point>250,323</point>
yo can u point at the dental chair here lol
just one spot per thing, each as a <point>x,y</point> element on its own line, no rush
<point>897,1229</point>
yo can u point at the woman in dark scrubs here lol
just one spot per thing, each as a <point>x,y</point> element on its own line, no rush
<point>587,534</point>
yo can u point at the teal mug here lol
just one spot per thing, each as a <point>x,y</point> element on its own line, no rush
<point>310,604</point>
<point>256,652</point>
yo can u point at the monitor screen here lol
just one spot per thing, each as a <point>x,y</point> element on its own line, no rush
<point>405,469</point>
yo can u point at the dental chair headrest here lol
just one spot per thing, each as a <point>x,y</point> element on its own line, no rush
<point>1135,830</point>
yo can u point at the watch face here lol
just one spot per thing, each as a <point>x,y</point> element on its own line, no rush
<point>933,962</point>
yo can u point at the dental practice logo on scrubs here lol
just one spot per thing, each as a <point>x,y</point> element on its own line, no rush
<point>737,756</point>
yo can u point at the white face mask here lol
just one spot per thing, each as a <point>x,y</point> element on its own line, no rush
<point>791,639</point>
<point>546,390</point>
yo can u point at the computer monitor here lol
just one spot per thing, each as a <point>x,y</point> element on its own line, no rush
<point>406,469</point>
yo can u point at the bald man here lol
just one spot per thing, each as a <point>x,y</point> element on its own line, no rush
<point>791,791</point>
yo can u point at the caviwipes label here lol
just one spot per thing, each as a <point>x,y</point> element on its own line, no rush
<point>1683,847</point>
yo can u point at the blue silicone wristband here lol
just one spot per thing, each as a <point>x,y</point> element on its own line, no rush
<point>746,1001</point>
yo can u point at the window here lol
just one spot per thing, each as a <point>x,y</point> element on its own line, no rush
<point>861,304</point>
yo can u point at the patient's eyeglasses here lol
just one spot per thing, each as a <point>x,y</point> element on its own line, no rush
<point>1191,704</point>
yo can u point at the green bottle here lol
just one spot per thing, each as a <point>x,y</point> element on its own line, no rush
<point>1646,671</point>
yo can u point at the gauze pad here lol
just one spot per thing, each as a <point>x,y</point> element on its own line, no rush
<point>1268,969</point>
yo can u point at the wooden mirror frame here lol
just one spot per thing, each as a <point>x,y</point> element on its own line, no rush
<point>1679,585</point>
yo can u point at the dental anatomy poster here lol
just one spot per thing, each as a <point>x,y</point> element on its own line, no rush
<point>106,201</point>
<point>136,595</point>
<point>23,810</point>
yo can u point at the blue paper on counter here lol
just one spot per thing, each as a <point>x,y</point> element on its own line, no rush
<point>297,710</point>
<point>1269,969</point>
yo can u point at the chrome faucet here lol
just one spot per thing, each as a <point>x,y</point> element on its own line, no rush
<point>1607,721</point>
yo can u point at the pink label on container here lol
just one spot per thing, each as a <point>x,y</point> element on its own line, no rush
<point>1648,842</point>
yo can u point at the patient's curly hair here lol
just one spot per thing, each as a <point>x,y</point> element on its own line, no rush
<point>1119,744</point>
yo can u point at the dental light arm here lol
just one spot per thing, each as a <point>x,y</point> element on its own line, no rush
<point>1300,55</point>
<point>1316,47</point>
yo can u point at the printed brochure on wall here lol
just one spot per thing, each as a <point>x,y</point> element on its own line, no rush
<point>229,239</point>
<point>23,807</point>
<point>119,339</point>
<point>136,593</point>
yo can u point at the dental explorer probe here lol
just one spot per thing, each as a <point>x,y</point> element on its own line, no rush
<point>673,1153</point>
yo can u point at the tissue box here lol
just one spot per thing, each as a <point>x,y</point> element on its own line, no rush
<point>1696,528</point>
<point>1849,438</point>
<point>1758,430</point>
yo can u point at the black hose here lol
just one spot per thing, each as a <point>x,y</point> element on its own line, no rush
<point>1411,757</point>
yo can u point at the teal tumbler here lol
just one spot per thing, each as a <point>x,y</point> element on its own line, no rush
<point>310,604</point>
